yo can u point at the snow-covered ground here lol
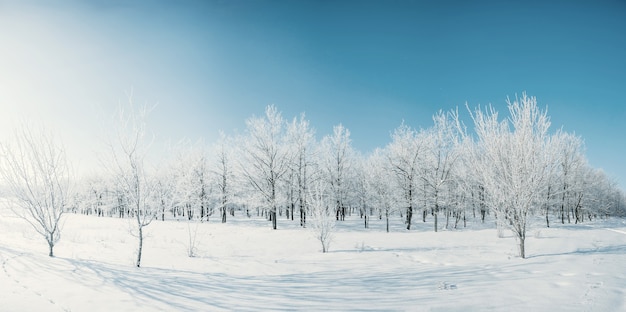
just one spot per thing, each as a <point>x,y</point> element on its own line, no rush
<point>243,265</point>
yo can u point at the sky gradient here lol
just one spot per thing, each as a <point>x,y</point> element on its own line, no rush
<point>209,65</point>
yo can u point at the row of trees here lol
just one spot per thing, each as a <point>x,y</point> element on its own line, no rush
<point>513,169</point>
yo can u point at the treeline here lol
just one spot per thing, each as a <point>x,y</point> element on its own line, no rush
<point>511,168</point>
<point>514,169</point>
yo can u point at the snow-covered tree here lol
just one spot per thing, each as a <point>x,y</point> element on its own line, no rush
<point>361,190</point>
<point>129,149</point>
<point>601,197</point>
<point>193,182</point>
<point>301,139</point>
<point>322,214</point>
<point>164,190</point>
<point>91,196</point>
<point>405,156</point>
<point>439,160</point>
<point>467,182</point>
<point>569,150</point>
<point>223,174</point>
<point>265,157</point>
<point>515,163</point>
<point>336,158</point>
<point>36,171</point>
<point>618,199</point>
<point>384,195</point>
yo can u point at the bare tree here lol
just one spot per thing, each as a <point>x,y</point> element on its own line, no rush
<point>440,159</point>
<point>467,182</point>
<point>266,158</point>
<point>600,197</point>
<point>128,150</point>
<point>362,192</point>
<point>336,158</point>
<point>191,245</point>
<point>223,174</point>
<point>91,196</point>
<point>194,181</point>
<point>301,139</point>
<point>37,173</point>
<point>404,154</point>
<point>164,186</point>
<point>571,160</point>
<point>383,192</point>
<point>322,215</point>
<point>515,165</point>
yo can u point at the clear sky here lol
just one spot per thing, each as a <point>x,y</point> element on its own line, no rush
<point>367,64</point>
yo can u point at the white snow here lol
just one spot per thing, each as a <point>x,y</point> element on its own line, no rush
<point>243,265</point>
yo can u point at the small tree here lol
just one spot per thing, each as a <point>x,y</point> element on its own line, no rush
<point>192,239</point>
<point>129,150</point>
<point>322,216</point>
<point>36,172</point>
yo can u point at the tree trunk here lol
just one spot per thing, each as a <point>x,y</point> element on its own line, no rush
<point>522,251</point>
<point>569,218</point>
<point>578,210</point>
<point>409,216</point>
<point>548,208</point>
<point>435,215</point>
<point>409,210</point>
<point>436,209</point>
<point>140,246</point>
<point>474,210</point>
<point>387,219</point>
<point>273,216</point>
<point>465,220</point>
<point>51,245</point>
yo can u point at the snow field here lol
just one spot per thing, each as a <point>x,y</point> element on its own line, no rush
<point>243,265</point>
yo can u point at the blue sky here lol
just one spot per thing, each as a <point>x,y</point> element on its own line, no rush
<point>367,64</point>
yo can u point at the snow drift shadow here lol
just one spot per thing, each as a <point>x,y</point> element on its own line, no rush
<point>617,250</point>
<point>186,291</point>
